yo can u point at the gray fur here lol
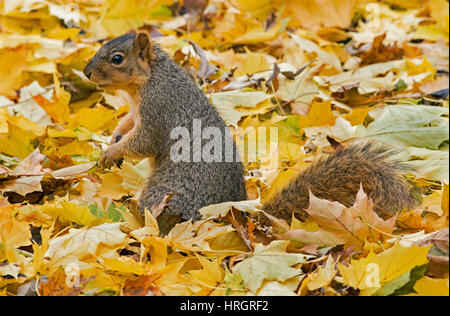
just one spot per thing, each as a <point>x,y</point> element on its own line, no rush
<point>169,99</point>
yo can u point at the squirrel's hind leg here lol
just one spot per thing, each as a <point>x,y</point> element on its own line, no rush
<point>179,207</point>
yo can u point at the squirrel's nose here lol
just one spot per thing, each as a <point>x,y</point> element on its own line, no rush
<point>87,72</point>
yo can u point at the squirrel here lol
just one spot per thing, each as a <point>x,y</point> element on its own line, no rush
<point>164,98</point>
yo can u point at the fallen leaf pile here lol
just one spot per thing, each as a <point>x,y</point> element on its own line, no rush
<point>342,69</point>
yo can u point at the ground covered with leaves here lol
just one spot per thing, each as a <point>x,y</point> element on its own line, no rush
<point>341,68</point>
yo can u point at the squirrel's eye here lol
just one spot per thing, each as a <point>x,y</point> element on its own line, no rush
<point>117,59</point>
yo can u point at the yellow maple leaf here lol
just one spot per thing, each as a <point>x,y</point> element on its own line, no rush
<point>135,176</point>
<point>118,16</point>
<point>281,180</point>
<point>425,66</point>
<point>150,229</point>
<point>270,262</point>
<point>3,121</point>
<point>370,273</point>
<point>128,179</point>
<point>170,280</point>
<point>85,245</point>
<point>34,215</point>
<point>58,107</point>
<point>320,114</point>
<point>39,265</point>
<point>12,232</point>
<point>190,236</point>
<point>428,221</point>
<point>111,186</point>
<point>96,119</point>
<point>70,148</point>
<point>103,281</point>
<point>157,248</point>
<point>258,34</point>
<point>124,265</point>
<point>211,274</point>
<point>12,74</point>
<point>21,133</point>
<point>257,8</point>
<point>358,115</point>
<point>69,213</point>
<point>439,13</point>
<point>253,63</point>
<point>322,277</point>
<point>315,14</point>
<point>434,203</point>
<point>229,243</point>
<point>431,287</point>
<point>308,225</point>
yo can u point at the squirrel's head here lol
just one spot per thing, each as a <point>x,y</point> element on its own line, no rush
<point>122,63</point>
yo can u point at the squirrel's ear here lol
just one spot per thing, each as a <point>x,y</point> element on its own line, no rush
<point>334,143</point>
<point>142,44</point>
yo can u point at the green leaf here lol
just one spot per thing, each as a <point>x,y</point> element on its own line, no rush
<point>409,135</point>
<point>415,275</point>
<point>292,124</point>
<point>96,210</point>
<point>8,161</point>
<point>114,213</point>
<point>409,126</point>
<point>430,164</point>
<point>400,85</point>
<point>161,11</point>
<point>404,284</point>
<point>405,113</point>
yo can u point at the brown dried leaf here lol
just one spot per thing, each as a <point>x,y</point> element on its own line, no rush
<point>60,285</point>
<point>31,165</point>
<point>141,286</point>
<point>379,52</point>
<point>339,225</point>
<point>439,253</point>
<point>206,69</point>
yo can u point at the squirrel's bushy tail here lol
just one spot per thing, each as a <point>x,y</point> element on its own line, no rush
<point>338,177</point>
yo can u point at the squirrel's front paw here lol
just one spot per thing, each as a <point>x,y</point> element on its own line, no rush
<point>110,157</point>
<point>115,138</point>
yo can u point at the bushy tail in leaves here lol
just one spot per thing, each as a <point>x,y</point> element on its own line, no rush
<point>338,177</point>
